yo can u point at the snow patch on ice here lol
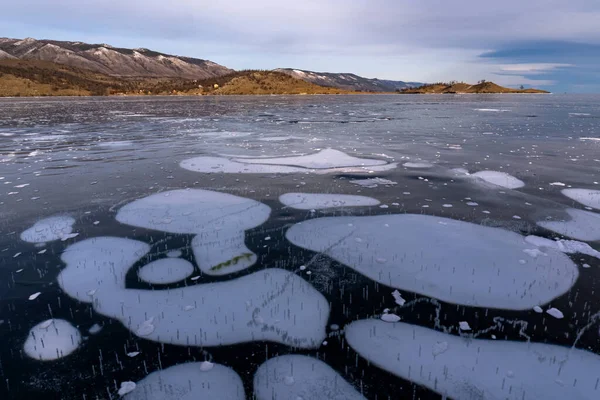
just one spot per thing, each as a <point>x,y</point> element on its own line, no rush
<point>583,225</point>
<point>166,270</point>
<point>499,179</point>
<point>271,304</point>
<point>299,377</point>
<point>566,246</point>
<point>313,201</point>
<point>587,197</point>
<point>189,382</point>
<point>49,229</point>
<point>476,368</point>
<point>217,219</point>
<point>51,340</point>
<point>454,261</point>
<point>373,182</point>
<point>324,161</point>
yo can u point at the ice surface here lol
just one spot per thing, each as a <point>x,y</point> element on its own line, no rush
<point>313,201</point>
<point>454,261</point>
<point>272,304</point>
<point>51,340</point>
<point>190,382</point>
<point>324,161</point>
<point>499,179</point>
<point>296,377</point>
<point>477,368</point>
<point>166,270</point>
<point>583,225</point>
<point>217,219</point>
<point>587,197</point>
<point>566,246</point>
<point>49,229</point>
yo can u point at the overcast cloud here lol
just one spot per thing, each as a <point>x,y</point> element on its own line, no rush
<point>548,43</point>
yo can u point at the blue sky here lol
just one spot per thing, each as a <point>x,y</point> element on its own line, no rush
<point>544,43</point>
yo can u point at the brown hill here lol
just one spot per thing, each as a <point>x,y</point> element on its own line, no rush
<point>41,78</point>
<point>463,88</point>
<point>110,60</point>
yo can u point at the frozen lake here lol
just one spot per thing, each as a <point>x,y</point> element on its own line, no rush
<point>309,247</point>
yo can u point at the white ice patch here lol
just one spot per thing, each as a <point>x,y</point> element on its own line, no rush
<point>418,165</point>
<point>499,179</point>
<point>477,368</point>
<point>565,246</point>
<point>272,304</point>
<point>464,326</point>
<point>166,270</point>
<point>189,382</point>
<point>217,219</point>
<point>390,318</point>
<point>397,296</point>
<point>313,201</point>
<point>373,182</point>
<point>324,161</point>
<point>587,197</point>
<point>49,229</point>
<point>556,313</point>
<point>454,261</point>
<point>583,225</point>
<point>51,340</point>
<point>490,110</point>
<point>299,377</point>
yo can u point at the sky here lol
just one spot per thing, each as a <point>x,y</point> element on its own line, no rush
<point>550,44</point>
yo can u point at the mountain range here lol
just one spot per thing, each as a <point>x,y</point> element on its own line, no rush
<point>348,81</point>
<point>145,63</point>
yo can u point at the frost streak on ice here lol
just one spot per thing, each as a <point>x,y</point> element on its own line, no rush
<point>272,304</point>
<point>189,382</point>
<point>312,201</point>
<point>324,161</point>
<point>476,368</point>
<point>49,229</point>
<point>51,340</point>
<point>583,225</point>
<point>499,179</point>
<point>587,197</point>
<point>217,219</point>
<point>453,261</point>
<point>166,270</point>
<point>300,377</point>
